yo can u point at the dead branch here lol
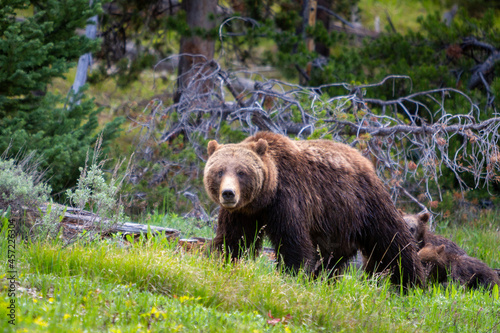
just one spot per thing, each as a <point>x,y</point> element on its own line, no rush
<point>415,200</point>
<point>337,16</point>
<point>356,129</point>
<point>482,69</point>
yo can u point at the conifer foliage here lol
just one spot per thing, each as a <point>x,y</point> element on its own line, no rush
<point>39,42</point>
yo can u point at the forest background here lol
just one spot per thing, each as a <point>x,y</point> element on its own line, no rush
<point>412,84</point>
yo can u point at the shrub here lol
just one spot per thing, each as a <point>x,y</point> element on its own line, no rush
<point>21,188</point>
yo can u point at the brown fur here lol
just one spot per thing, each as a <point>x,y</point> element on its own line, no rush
<point>441,264</point>
<point>318,201</point>
<point>419,228</point>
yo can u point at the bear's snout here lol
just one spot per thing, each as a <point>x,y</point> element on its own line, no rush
<point>228,195</point>
<point>229,192</point>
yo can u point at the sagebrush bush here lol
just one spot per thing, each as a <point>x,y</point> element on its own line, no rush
<point>98,195</point>
<point>21,185</point>
<point>22,191</point>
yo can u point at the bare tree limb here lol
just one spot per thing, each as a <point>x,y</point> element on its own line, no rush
<point>483,69</point>
<point>486,67</point>
<point>423,129</point>
<point>415,200</point>
<point>337,16</point>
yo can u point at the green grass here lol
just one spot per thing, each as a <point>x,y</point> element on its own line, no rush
<point>121,100</point>
<point>403,14</point>
<point>153,286</point>
<point>188,227</point>
<point>479,237</point>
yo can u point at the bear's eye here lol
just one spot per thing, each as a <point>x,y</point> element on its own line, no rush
<point>220,173</point>
<point>241,174</point>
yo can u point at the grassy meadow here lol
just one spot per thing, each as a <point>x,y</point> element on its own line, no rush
<point>154,286</point>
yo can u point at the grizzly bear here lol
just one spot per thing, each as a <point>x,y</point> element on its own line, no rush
<point>442,264</point>
<point>318,201</point>
<point>419,228</point>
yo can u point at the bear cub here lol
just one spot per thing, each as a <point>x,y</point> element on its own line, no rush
<point>317,200</point>
<point>419,228</point>
<point>440,263</point>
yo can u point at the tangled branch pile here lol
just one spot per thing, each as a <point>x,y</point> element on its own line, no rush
<point>412,139</point>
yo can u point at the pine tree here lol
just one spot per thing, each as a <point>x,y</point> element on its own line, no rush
<point>39,42</point>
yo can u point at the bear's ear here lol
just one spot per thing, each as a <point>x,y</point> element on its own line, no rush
<point>424,217</point>
<point>212,147</point>
<point>261,147</point>
<point>440,249</point>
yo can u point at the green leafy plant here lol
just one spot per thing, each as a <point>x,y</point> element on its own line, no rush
<point>22,190</point>
<point>21,184</point>
<point>98,195</point>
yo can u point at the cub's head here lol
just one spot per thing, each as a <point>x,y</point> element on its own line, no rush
<point>435,262</point>
<point>433,254</point>
<point>417,224</point>
<point>237,174</point>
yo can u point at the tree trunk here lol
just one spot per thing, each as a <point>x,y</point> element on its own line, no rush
<point>85,60</point>
<point>196,51</point>
<point>324,17</point>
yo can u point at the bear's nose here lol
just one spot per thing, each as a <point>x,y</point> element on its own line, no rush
<point>228,195</point>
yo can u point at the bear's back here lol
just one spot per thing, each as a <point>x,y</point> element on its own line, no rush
<point>336,154</point>
<point>473,272</point>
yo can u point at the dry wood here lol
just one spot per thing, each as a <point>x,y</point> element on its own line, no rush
<point>81,220</point>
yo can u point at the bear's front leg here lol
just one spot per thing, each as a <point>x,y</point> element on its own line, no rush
<point>291,242</point>
<point>237,234</point>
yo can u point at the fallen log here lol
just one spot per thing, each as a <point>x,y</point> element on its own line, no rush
<point>78,220</point>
